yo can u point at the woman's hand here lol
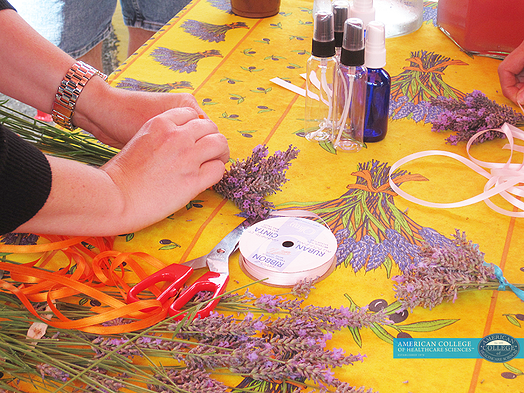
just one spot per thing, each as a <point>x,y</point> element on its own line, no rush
<point>114,115</point>
<point>511,75</point>
<point>173,158</point>
<point>170,160</point>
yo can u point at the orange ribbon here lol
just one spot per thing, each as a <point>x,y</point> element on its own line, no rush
<point>93,272</point>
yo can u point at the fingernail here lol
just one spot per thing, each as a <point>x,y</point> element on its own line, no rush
<point>201,116</point>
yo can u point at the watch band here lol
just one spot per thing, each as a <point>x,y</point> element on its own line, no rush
<point>70,88</point>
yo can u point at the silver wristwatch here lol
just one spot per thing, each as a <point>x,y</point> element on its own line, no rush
<point>70,88</point>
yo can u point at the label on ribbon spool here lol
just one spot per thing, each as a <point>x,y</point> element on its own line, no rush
<point>285,250</point>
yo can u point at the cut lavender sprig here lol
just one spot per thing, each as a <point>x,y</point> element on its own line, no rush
<point>303,288</point>
<point>249,181</point>
<point>281,341</point>
<point>476,113</point>
<point>442,272</point>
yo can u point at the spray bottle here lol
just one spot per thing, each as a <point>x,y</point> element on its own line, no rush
<point>364,10</point>
<point>350,90</point>
<point>320,75</point>
<point>340,14</point>
<point>378,84</point>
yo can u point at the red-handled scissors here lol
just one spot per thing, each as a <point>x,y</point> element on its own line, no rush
<point>177,275</point>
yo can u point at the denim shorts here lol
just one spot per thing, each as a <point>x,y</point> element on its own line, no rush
<point>77,26</point>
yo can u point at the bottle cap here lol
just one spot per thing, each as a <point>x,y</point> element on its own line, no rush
<point>363,9</point>
<point>352,53</point>
<point>340,14</point>
<point>321,5</point>
<point>323,34</point>
<point>375,45</point>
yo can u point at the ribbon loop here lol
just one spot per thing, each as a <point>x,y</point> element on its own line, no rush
<point>503,179</point>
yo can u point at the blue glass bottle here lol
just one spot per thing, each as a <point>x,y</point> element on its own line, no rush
<point>378,84</point>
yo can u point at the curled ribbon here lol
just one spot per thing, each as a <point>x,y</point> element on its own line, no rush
<point>93,273</point>
<point>504,283</point>
<point>503,179</point>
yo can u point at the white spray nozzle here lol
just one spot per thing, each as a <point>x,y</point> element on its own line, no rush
<point>375,45</point>
<point>363,9</point>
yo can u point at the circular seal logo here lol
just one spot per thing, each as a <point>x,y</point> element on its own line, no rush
<point>498,348</point>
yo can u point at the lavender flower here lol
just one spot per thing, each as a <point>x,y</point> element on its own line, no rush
<point>324,318</point>
<point>248,182</point>
<point>51,371</point>
<point>110,383</point>
<point>22,239</point>
<point>303,288</point>
<point>476,113</point>
<point>186,379</point>
<point>442,272</point>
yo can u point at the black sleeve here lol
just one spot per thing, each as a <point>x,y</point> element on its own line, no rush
<point>4,4</point>
<point>25,180</point>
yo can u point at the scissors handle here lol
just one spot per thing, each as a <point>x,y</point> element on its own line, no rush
<point>210,282</point>
<point>175,274</point>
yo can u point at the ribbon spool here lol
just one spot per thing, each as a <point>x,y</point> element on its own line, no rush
<point>286,250</point>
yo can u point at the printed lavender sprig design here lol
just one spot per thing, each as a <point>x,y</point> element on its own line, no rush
<point>475,113</point>
<point>249,181</point>
<point>442,272</point>
<point>270,339</point>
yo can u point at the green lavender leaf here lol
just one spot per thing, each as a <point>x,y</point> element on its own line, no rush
<point>427,326</point>
<point>381,333</point>
<point>513,369</point>
<point>512,320</point>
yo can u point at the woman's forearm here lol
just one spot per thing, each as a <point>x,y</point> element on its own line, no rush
<point>31,67</point>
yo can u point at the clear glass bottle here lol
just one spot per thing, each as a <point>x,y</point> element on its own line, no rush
<point>378,84</point>
<point>350,90</point>
<point>320,74</point>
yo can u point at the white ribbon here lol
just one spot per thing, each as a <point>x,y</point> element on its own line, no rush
<point>503,178</point>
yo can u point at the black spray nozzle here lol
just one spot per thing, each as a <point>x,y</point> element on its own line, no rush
<point>353,43</point>
<point>323,34</point>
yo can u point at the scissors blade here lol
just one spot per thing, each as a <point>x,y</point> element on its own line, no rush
<point>197,263</point>
<point>218,258</point>
<point>226,246</point>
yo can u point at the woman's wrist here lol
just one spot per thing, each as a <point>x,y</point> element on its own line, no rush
<point>69,90</point>
<point>112,115</point>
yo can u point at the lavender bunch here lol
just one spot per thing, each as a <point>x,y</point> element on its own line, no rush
<point>288,348</point>
<point>284,343</point>
<point>476,113</point>
<point>442,272</point>
<point>249,181</point>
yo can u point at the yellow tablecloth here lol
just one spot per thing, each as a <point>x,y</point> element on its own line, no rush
<point>227,63</point>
